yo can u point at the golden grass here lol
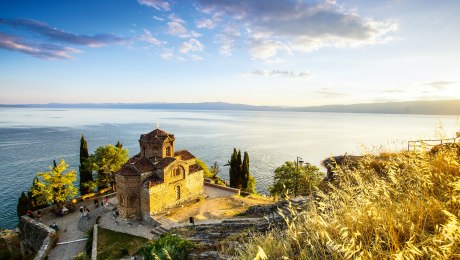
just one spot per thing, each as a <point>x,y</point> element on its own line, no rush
<point>397,206</point>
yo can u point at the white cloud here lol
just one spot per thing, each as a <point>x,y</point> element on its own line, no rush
<point>440,84</point>
<point>303,26</point>
<point>283,73</point>
<point>176,27</point>
<point>195,57</point>
<point>227,39</point>
<point>158,18</point>
<point>167,54</point>
<point>157,4</point>
<point>205,23</point>
<point>192,45</point>
<point>147,37</point>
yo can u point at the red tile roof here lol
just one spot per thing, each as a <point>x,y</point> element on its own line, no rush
<point>184,155</point>
<point>165,162</point>
<point>157,134</point>
<point>194,168</point>
<point>152,179</point>
<point>129,170</point>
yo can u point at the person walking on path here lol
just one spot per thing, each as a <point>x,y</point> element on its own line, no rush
<point>88,217</point>
<point>81,212</point>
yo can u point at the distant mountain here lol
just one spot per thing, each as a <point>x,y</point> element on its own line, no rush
<point>439,107</point>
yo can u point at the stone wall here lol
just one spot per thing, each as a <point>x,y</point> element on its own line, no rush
<point>163,196</point>
<point>128,195</point>
<point>36,237</point>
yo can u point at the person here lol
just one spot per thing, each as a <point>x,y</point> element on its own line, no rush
<point>106,201</point>
<point>39,215</point>
<point>30,214</point>
<point>64,210</point>
<point>81,212</point>
<point>55,226</point>
<point>96,203</point>
<point>88,217</point>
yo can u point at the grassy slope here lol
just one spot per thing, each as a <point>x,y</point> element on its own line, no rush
<point>394,206</point>
<point>110,244</point>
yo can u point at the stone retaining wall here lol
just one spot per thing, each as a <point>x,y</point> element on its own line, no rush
<point>36,236</point>
<point>94,246</point>
<point>230,189</point>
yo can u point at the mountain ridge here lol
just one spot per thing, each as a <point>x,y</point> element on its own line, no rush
<point>436,107</point>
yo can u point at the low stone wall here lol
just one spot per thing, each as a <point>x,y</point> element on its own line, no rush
<point>36,236</point>
<point>230,189</point>
<point>94,246</point>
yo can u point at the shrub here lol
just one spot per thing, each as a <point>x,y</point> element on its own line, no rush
<point>404,206</point>
<point>167,247</point>
<point>81,256</point>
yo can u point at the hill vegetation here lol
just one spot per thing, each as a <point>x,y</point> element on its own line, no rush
<point>392,206</point>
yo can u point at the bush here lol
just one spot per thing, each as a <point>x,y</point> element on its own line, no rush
<point>124,251</point>
<point>168,247</point>
<point>406,208</point>
<point>81,256</point>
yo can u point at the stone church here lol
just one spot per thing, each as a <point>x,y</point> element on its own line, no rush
<point>157,178</point>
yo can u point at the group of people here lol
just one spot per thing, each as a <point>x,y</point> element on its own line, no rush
<point>84,211</point>
<point>37,215</point>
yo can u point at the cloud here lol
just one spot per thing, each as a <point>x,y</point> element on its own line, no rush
<point>205,23</point>
<point>57,35</point>
<point>158,18</point>
<point>328,93</point>
<point>283,73</point>
<point>195,57</point>
<point>147,37</point>
<point>167,54</point>
<point>176,27</point>
<point>299,25</point>
<point>227,39</point>
<point>157,4</point>
<point>192,45</point>
<point>44,51</point>
<point>439,84</point>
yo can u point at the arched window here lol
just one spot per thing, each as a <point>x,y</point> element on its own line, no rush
<point>177,188</point>
<point>168,151</point>
<point>122,200</point>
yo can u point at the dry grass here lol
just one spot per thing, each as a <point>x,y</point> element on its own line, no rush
<point>216,208</point>
<point>396,206</point>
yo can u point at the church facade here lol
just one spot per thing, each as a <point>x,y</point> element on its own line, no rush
<point>157,178</point>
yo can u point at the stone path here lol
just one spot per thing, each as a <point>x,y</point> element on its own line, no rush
<point>85,224</point>
<point>72,229</point>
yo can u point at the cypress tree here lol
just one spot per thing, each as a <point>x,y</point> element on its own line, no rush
<point>119,145</point>
<point>85,174</point>
<point>239,173</point>
<point>23,204</point>
<point>233,169</point>
<point>245,171</point>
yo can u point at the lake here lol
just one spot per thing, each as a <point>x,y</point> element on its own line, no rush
<point>30,139</point>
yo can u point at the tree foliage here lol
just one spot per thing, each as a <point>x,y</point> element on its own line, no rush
<point>55,186</point>
<point>167,247</point>
<point>86,176</point>
<point>240,176</point>
<point>292,180</point>
<point>106,160</point>
<point>215,169</point>
<point>23,204</point>
<point>204,166</point>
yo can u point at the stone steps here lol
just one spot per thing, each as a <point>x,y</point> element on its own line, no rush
<point>158,231</point>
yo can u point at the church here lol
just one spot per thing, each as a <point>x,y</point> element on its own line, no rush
<point>157,178</point>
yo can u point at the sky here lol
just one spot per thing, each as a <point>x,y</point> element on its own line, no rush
<point>258,52</point>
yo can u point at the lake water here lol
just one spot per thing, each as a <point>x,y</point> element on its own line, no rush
<point>30,139</point>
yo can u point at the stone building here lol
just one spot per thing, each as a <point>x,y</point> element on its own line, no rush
<point>157,178</point>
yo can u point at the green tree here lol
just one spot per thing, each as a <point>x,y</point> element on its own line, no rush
<point>214,169</point>
<point>86,176</point>
<point>248,181</point>
<point>233,171</point>
<point>204,166</point>
<point>34,204</point>
<point>289,178</point>
<point>23,204</point>
<point>106,160</point>
<point>55,186</point>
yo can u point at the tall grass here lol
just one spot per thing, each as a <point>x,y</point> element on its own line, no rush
<point>392,206</point>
